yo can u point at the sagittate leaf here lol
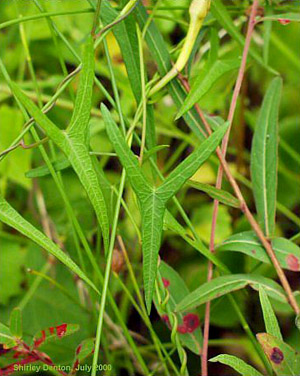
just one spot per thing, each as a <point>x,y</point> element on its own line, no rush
<point>190,336</point>
<point>237,364</point>
<point>264,155</point>
<point>225,284</point>
<point>270,319</point>
<point>202,86</point>
<point>217,194</point>
<point>53,333</point>
<point>74,142</point>
<point>16,322</point>
<point>12,218</point>
<point>287,252</point>
<point>153,200</point>
<point>284,359</point>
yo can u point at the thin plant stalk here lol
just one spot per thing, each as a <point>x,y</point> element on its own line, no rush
<point>144,98</point>
<point>220,176</point>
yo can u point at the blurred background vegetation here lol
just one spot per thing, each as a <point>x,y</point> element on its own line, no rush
<point>39,60</point>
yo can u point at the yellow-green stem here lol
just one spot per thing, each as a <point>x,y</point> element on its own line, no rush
<point>198,11</point>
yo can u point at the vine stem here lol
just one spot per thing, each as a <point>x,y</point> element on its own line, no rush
<point>96,18</point>
<point>224,168</point>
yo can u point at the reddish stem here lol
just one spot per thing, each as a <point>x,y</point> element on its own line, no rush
<point>243,205</point>
<point>225,141</point>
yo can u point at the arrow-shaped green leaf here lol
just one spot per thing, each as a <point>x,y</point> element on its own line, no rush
<point>153,200</point>
<point>73,143</point>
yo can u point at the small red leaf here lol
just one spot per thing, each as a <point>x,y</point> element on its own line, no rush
<point>284,21</point>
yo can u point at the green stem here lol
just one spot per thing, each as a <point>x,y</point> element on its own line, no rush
<point>43,15</point>
<point>96,17</point>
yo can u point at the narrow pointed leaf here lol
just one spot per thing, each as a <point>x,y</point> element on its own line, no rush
<point>125,33</point>
<point>203,85</point>
<point>287,252</point>
<point>152,211</point>
<point>12,218</point>
<point>77,152</point>
<point>217,194</point>
<point>82,164</point>
<point>225,284</point>
<point>58,165</point>
<point>50,128</point>
<point>264,154</point>
<point>271,323</point>
<point>79,125</point>
<point>130,162</point>
<point>192,336</point>
<point>283,16</point>
<point>153,151</point>
<point>16,322</point>
<point>210,290</point>
<point>237,364</point>
<point>284,359</point>
<point>190,165</point>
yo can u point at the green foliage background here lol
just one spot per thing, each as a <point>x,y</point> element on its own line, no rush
<point>38,60</point>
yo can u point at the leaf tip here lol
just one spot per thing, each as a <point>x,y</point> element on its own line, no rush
<point>179,114</point>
